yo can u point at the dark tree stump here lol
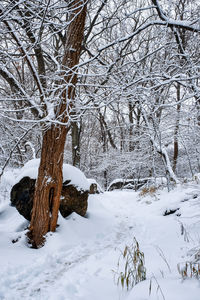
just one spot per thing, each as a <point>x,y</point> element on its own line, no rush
<point>130,184</point>
<point>22,196</point>
<point>72,200</point>
<point>94,189</point>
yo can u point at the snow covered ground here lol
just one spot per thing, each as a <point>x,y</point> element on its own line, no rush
<point>78,260</point>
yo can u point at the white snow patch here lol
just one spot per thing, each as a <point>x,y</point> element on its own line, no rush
<point>76,177</point>
<point>77,260</point>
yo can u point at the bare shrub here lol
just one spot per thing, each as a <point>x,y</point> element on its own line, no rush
<point>148,191</point>
<point>132,261</point>
<point>189,270</point>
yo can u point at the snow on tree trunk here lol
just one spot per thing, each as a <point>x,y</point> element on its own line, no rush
<point>49,182</point>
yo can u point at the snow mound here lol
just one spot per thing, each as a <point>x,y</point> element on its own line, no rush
<point>196,177</point>
<point>76,177</point>
<point>136,183</point>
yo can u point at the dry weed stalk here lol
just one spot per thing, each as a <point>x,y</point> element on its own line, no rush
<point>134,269</point>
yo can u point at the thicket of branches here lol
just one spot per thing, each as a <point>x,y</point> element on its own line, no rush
<point>137,102</point>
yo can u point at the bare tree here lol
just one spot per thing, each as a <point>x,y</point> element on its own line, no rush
<point>49,183</point>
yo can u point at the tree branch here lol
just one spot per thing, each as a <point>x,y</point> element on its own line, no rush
<point>174,23</point>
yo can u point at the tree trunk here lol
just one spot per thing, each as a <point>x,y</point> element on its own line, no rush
<point>157,144</point>
<point>176,130</point>
<point>48,185</point>
<point>76,132</point>
<point>130,115</point>
<point>49,182</point>
<point>105,130</point>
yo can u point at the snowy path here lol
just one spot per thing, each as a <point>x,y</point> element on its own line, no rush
<point>77,261</point>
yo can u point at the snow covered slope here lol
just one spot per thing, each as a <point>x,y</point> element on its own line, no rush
<point>78,260</point>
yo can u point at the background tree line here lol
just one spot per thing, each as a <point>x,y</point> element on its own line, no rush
<point>151,69</point>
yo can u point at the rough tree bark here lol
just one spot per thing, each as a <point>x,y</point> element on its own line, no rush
<point>49,182</point>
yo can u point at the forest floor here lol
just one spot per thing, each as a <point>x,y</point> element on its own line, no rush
<point>79,261</point>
